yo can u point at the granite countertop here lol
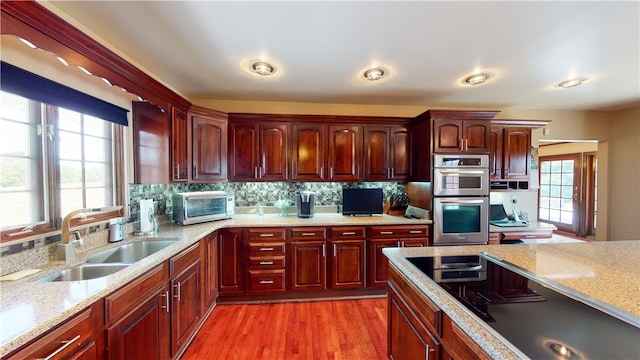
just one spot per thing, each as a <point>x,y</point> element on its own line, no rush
<point>603,272</point>
<point>532,226</point>
<point>29,308</point>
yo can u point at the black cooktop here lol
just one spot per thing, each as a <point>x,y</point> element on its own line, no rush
<point>539,321</point>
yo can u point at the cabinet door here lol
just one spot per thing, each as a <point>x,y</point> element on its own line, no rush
<point>243,152</point>
<point>517,153</point>
<point>210,278</point>
<point>179,140</point>
<point>408,339</point>
<point>376,153</point>
<point>400,155</point>
<point>151,136</point>
<point>230,261</point>
<point>185,311</point>
<point>308,265</point>
<point>378,263</point>
<point>308,152</point>
<point>447,136</point>
<point>143,333</point>
<point>348,264</point>
<point>344,153</point>
<point>209,139</point>
<point>273,152</point>
<point>495,153</point>
<point>476,134</point>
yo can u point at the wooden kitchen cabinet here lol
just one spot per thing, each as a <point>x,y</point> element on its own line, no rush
<point>230,262</point>
<point>461,135</point>
<point>209,246</point>
<point>137,318</point>
<point>325,153</point>
<point>76,338</point>
<point>381,237</point>
<point>184,283</point>
<point>179,145</point>
<point>266,262</point>
<point>387,153</point>
<point>348,261</point>
<point>458,344</point>
<point>258,151</point>
<point>151,143</point>
<point>308,259</point>
<point>510,155</point>
<point>209,145</point>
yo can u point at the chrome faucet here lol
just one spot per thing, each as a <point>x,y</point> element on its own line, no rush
<point>66,249</point>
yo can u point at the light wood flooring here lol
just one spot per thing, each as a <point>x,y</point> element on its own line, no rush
<point>336,329</point>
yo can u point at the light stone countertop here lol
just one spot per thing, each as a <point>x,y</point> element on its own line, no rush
<point>532,226</point>
<point>605,272</point>
<point>29,308</point>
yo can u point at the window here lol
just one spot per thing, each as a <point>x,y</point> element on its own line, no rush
<point>52,161</point>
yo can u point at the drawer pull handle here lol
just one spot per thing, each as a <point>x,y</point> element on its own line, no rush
<point>415,231</point>
<point>266,262</point>
<point>266,235</point>
<point>386,232</point>
<point>266,249</point>
<point>266,281</point>
<point>349,233</point>
<point>65,344</point>
<point>308,234</point>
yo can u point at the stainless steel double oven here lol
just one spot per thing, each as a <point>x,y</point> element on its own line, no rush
<point>460,199</point>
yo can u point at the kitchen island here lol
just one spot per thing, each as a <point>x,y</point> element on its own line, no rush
<point>603,274</point>
<point>29,308</point>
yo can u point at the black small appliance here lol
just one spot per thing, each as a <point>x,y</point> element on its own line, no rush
<point>305,202</point>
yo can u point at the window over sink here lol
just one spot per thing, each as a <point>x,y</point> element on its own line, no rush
<point>52,161</point>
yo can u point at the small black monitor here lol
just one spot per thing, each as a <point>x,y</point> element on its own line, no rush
<point>362,201</point>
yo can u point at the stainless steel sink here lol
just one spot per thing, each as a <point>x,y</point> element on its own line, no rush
<point>85,272</point>
<point>129,253</point>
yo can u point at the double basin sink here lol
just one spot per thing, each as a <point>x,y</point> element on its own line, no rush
<point>110,261</point>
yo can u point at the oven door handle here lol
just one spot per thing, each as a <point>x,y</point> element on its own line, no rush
<point>470,201</point>
<point>461,172</point>
<point>472,268</point>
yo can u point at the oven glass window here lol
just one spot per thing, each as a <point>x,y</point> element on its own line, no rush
<point>470,182</point>
<point>204,207</point>
<point>460,219</point>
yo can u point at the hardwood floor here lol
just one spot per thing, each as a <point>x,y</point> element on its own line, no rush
<point>337,329</point>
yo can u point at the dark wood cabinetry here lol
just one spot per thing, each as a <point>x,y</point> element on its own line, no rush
<point>230,262</point>
<point>151,143</point>
<point>325,153</point>
<point>348,259</point>
<point>138,318</point>
<point>308,259</point>
<point>266,262</point>
<point>209,145</point>
<point>258,151</point>
<point>76,338</point>
<point>179,145</point>
<point>387,153</point>
<point>184,270</point>
<point>458,135</point>
<point>209,246</point>
<point>381,237</point>
<point>510,156</point>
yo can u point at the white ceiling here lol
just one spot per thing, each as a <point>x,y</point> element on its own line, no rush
<point>203,49</point>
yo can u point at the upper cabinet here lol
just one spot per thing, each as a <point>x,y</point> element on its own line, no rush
<point>325,153</point>
<point>151,143</point>
<point>257,151</point>
<point>460,131</point>
<point>179,145</point>
<point>208,144</point>
<point>387,153</point>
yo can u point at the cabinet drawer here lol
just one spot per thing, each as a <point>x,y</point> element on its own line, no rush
<point>308,233</point>
<point>382,232</point>
<point>269,234</point>
<point>458,343</point>
<point>348,233</point>
<point>266,281</point>
<point>68,339</point>
<point>266,248</point>
<point>125,299</point>
<point>180,262</point>
<point>266,262</point>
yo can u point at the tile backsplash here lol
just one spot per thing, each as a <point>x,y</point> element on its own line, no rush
<point>251,193</point>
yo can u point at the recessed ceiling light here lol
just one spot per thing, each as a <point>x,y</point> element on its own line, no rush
<point>373,74</point>
<point>477,79</point>
<point>262,68</point>
<point>572,82</point>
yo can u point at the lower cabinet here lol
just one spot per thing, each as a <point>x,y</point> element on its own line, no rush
<point>76,338</point>
<point>230,264</point>
<point>209,246</point>
<point>137,318</point>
